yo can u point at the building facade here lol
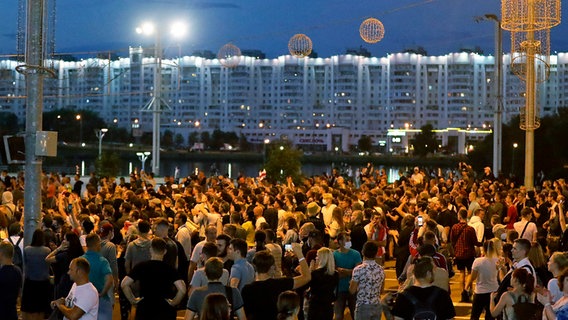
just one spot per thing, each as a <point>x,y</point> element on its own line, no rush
<point>317,103</point>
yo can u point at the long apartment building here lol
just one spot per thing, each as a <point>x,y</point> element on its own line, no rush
<point>317,103</point>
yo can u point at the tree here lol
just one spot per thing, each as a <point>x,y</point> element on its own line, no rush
<point>69,126</point>
<point>168,139</point>
<point>365,143</point>
<point>425,142</point>
<point>178,140</point>
<point>283,161</point>
<point>108,165</point>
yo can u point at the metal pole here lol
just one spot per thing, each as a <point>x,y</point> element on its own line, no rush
<point>530,101</point>
<point>36,13</point>
<point>157,106</point>
<point>498,87</point>
<point>100,136</point>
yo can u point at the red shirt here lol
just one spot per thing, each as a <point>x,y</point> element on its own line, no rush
<point>464,240</point>
<point>512,215</point>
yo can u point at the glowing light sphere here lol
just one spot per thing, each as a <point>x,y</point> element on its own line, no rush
<point>229,55</point>
<point>300,45</point>
<point>372,30</point>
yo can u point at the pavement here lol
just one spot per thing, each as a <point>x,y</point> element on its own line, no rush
<point>463,310</point>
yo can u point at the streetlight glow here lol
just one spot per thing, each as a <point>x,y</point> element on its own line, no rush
<point>147,28</point>
<point>178,29</point>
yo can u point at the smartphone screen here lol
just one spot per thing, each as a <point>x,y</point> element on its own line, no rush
<point>288,247</point>
<point>420,221</point>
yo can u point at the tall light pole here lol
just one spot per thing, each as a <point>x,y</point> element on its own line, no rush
<point>100,134</point>
<point>156,103</point>
<point>79,118</point>
<point>497,93</point>
<point>515,146</point>
<point>143,156</point>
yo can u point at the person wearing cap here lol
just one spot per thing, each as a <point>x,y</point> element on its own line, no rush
<point>327,210</point>
<point>312,211</point>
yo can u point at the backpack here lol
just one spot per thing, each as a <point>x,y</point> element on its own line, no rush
<point>18,259</point>
<point>525,310</point>
<point>423,310</point>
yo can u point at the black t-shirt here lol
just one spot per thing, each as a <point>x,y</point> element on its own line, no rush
<point>10,282</point>
<point>442,304</point>
<point>260,297</point>
<point>447,218</point>
<point>156,279</point>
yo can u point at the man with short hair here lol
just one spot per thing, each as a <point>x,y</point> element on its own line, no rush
<point>520,253</point>
<point>162,228</point>
<point>367,282</point>
<point>194,262</point>
<point>10,282</point>
<point>346,259</point>
<point>214,271</point>
<point>242,272</point>
<point>183,234</point>
<point>139,249</point>
<point>260,296</point>
<point>222,243</point>
<point>464,240</point>
<point>100,275</point>
<point>526,228</point>
<point>82,302</point>
<point>156,281</point>
<point>423,292</point>
<point>199,277</point>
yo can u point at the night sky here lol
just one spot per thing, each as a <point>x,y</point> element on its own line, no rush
<point>440,26</point>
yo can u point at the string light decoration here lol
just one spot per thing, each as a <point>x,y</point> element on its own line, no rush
<point>529,15</point>
<point>529,22</point>
<point>372,30</point>
<point>539,46</point>
<point>229,55</point>
<point>300,45</point>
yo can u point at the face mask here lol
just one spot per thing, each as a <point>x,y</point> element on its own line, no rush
<point>347,245</point>
<point>324,201</point>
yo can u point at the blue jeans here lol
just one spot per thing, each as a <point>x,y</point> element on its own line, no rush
<point>105,309</point>
<point>368,312</point>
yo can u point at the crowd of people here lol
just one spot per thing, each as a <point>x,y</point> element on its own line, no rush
<point>251,248</point>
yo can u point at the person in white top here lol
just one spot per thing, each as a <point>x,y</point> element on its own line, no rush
<point>525,228</point>
<point>476,222</point>
<point>82,302</point>
<point>557,262</point>
<point>484,271</point>
<point>327,209</point>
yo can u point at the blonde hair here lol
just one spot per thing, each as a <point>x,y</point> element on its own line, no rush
<point>326,260</point>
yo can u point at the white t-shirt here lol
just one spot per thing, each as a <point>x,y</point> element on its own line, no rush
<point>86,298</point>
<point>486,275</point>
<point>529,232</point>
<point>196,253</point>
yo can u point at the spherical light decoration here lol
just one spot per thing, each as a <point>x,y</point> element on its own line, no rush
<point>300,45</point>
<point>229,55</point>
<point>372,30</point>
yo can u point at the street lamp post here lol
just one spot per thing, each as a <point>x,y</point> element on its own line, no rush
<point>143,156</point>
<point>515,146</point>
<point>80,119</point>
<point>100,134</point>
<point>156,103</point>
<point>266,142</point>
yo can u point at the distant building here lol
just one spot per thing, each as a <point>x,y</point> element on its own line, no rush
<point>317,103</point>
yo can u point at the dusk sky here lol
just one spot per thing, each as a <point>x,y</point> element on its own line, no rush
<point>440,26</point>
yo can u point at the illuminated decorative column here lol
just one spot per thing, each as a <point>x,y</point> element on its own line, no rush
<point>529,22</point>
